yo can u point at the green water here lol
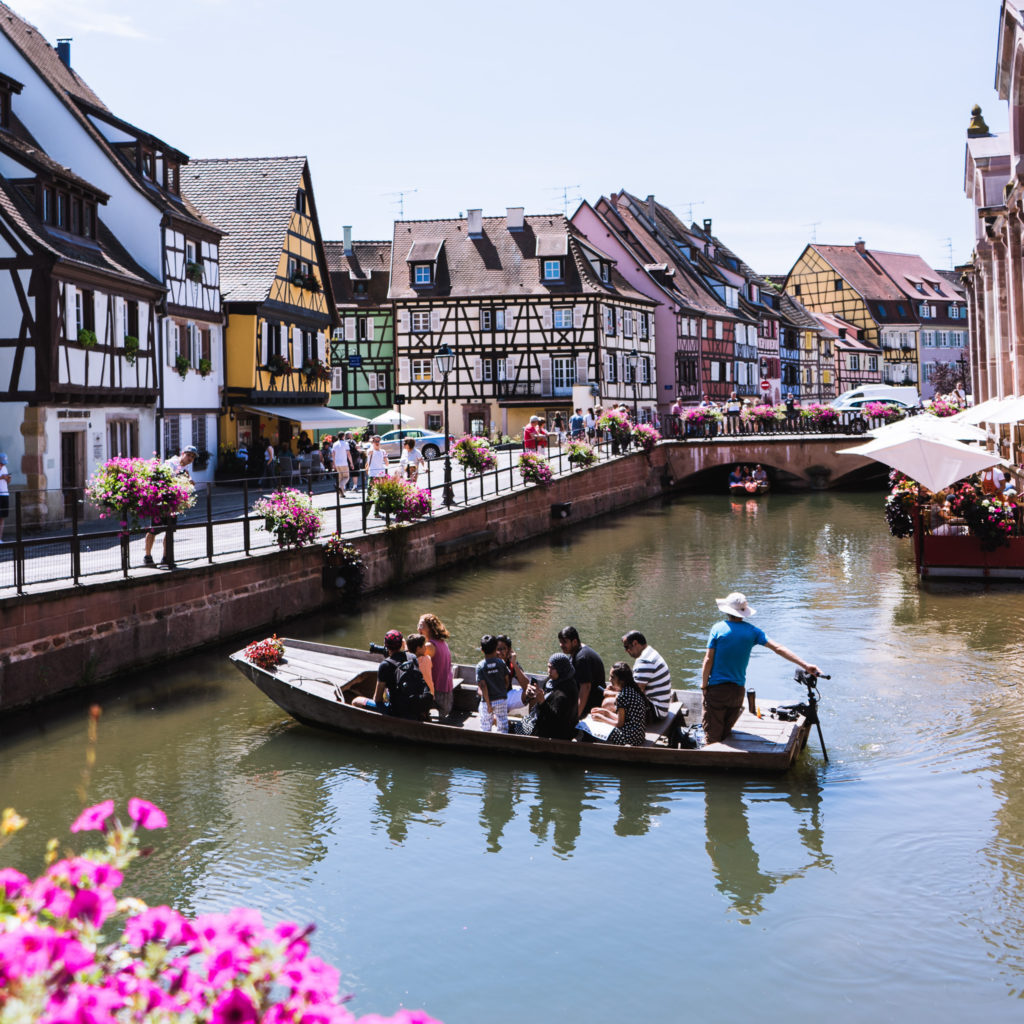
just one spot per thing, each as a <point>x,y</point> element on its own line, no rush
<point>883,885</point>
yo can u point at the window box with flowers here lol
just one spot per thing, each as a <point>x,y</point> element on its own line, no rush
<point>87,339</point>
<point>194,271</point>
<point>182,366</point>
<point>298,280</point>
<point>131,349</point>
<point>205,367</point>
<point>279,365</point>
<point>311,283</point>
<point>343,567</point>
<point>316,371</point>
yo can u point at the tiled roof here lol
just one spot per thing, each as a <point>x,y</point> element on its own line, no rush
<point>863,274</point>
<point>906,269</point>
<point>252,199</point>
<point>76,95</point>
<point>499,262</point>
<point>105,253</point>
<point>796,313</point>
<point>831,325</point>
<point>692,294</point>
<point>369,262</point>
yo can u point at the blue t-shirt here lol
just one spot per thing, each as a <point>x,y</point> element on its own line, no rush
<point>732,643</point>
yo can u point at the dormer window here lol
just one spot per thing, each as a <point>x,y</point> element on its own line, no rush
<point>62,210</point>
<point>89,219</point>
<point>552,270</point>
<point>881,310</point>
<point>360,288</point>
<point>48,205</point>
<point>147,164</point>
<point>606,271</point>
<point>300,201</point>
<point>421,274</point>
<point>171,176</point>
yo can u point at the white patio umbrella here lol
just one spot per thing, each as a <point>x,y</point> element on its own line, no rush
<point>985,412</point>
<point>391,417</point>
<point>926,425</point>
<point>931,461</point>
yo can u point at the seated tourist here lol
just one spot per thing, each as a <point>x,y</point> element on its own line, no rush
<point>552,703</point>
<point>516,675</point>
<point>629,711</point>
<point>401,689</point>
<point>416,645</point>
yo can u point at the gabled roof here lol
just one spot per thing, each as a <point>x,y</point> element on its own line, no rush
<point>908,270</point>
<point>104,253</point>
<point>862,273</point>
<point>797,313</point>
<point>831,325</point>
<point>368,261</point>
<point>72,90</point>
<point>253,200</point>
<point>500,262</point>
<point>19,144</point>
<point>652,244</point>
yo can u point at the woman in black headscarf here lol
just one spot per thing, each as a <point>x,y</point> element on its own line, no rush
<point>553,704</point>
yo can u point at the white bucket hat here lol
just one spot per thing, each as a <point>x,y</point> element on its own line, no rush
<point>735,604</point>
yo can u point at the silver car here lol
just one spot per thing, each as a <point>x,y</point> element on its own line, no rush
<point>429,443</point>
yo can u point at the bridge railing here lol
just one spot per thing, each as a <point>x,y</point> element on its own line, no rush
<point>679,428</point>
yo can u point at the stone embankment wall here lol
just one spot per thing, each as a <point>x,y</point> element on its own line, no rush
<point>55,642</point>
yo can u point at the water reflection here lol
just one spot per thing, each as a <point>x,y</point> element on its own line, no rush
<point>731,850</point>
<point>405,797</point>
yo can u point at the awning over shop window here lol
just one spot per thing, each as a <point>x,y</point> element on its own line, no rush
<point>311,417</point>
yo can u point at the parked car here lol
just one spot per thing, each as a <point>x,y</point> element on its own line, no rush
<point>904,397</point>
<point>429,443</point>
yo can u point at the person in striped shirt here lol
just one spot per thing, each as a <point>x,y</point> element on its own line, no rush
<point>650,673</point>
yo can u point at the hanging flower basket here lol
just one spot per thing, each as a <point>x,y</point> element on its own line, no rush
<point>645,437</point>
<point>194,271</point>
<point>534,469</point>
<point>399,499</point>
<point>290,516</point>
<point>182,366</point>
<point>580,454</point>
<point>86,338</point>
<point>474,454</point>
<point>278,365</point>
<point>139,489</point>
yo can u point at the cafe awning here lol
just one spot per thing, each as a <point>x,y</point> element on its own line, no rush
<point>311,417</point>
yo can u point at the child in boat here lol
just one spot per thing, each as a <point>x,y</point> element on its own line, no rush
<point>514,699</point>
<point>629,711</point>
<point>416,645</point>
<point>492,683</point>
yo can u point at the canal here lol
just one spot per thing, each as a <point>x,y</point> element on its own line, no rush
<point>886,884</point>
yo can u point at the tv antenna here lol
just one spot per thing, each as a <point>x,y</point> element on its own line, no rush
<point>565,189</point>
<point>689,208</point>
<point>400,201</point>
<point>814,229</point>
<point>948,246</point>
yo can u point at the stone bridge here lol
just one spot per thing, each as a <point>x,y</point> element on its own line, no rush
<point>792,461</point>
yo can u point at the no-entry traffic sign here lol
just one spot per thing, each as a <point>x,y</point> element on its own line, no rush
<point>765,386</point>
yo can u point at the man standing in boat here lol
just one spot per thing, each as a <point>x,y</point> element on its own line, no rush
<point>724,674</point>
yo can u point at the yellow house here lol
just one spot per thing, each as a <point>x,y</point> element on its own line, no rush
<point>276,297</point>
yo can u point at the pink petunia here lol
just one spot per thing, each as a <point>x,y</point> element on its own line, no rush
<point>158,924</point>
<point>145,814</point>
<point>233,1007</point>
<point>93,818</point>
<point>12,883</point>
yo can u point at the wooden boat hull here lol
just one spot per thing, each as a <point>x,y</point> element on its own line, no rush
<point>958,557</point>
<point>306,686</point>
<point>748,490</point>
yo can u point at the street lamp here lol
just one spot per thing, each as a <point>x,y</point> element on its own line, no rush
<point>633,361</point>
<point>444,361</point>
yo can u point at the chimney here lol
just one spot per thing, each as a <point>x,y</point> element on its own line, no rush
<point>651,210</point>
<point>707,225</point>
<point>861,246</point>
<point>347,232</point>
<point>474,223</point>
<point>64,52</point>
<point>515,217</point>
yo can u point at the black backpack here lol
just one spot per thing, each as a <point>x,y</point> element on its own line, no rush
<point>410,696</point>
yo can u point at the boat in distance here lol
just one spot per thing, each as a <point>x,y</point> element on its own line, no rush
<point>316,682</point>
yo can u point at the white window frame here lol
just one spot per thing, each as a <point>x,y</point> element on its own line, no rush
<point>421,274</point>
<point>627,323</point>
<point>563,368</point>
<point>419,322</point>
<point>422,370</point>
<point>485,320</point>
<point>611,363</point>
<point>499,319</point>
<point>553,270</point>
<point>562,318</point>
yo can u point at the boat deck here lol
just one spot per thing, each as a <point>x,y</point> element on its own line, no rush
<point>316,683</point>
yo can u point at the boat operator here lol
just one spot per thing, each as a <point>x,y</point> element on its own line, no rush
<point>724,674</point>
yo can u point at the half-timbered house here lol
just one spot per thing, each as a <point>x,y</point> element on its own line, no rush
<point>146,213</point>
<point>848,281</point>
<point>855,360</point>
<point>363,343</point>
<point>530,308</point>
<point>77,328</point>
<point>276,293</point>
<point>633,233</point>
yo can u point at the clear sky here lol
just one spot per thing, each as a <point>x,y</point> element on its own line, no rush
<point>782,121</point>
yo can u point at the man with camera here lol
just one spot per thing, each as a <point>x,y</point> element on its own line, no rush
<point>401,689</point>
<point>724,674</point>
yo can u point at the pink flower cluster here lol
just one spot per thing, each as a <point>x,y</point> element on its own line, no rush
<point>290,516</point>
<point>646,437</point>
<point>884,411</point>
<point>944,405</point>
<point>763,413</point>
<point>419,502</point>
<point>819,414</point>
<point>474,454</point>
<point>534,469</point>
<point>58,965</point>
<point>137,489</point>
<point>266,653</point>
